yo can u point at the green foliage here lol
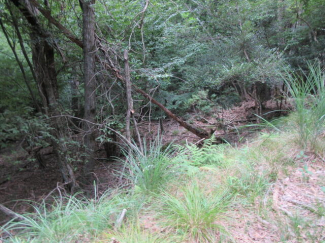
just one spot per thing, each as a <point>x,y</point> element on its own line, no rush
<point>34,130</point>
<point>194,213</point>
<point>14,93</point>
<point>308,92</point>
<point>106,131</point>
<point>150,169</point>
<point>201,102</point>
<point>73,218</point>
<point>210,153</point>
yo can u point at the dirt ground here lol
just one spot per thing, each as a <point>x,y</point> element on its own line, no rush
<point>21,180</point>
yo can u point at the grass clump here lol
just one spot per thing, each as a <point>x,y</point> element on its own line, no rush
<point>149,169</point>
<point>308,92</point>
<point>194,213</point>
<point>67,219</point>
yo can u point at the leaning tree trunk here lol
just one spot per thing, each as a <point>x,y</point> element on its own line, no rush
<point>90,85</point>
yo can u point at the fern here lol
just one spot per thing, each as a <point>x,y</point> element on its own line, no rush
<point>209,154</point>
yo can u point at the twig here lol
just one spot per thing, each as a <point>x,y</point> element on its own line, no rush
<point>286,212</point>
<point>200,141</point>
<point>305,206</point>
<point>120,219</point>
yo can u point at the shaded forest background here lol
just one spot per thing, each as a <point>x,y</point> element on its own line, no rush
<point>76,75</point>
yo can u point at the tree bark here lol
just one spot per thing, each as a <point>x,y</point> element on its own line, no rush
<point>128,96</point>
<point>89,50</point>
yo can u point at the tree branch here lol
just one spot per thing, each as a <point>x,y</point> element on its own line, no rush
<point>11,213</point>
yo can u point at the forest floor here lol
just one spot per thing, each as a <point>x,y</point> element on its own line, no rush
<point>22,180</point>
<point>280,187</point>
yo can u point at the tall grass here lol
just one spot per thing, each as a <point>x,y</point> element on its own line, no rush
<point>150,169</point>
<point>194,212</point>
<point>68,219</point>
<point>308,92</point>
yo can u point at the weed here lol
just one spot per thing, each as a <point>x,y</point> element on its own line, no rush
<point>298,223</point>
<point>249,185</point>
<point>320,209</point>
<point>305,174</point>
<point>175,133</point>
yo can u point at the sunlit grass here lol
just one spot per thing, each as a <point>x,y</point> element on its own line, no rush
<point>187,207</point>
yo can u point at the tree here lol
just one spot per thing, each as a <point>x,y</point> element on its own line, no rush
<point>89,50</point>
<point>42,45</point>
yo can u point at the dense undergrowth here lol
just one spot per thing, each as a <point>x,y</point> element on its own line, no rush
<point>218,193</point>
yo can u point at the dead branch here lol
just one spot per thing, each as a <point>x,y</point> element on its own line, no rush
<point>10,213</point>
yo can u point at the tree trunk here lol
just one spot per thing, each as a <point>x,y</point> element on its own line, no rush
<point>45,74</point>
<point>90,85</point>
<point>44,65</point>
<point>128,96</point>
<point>21,42</point>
